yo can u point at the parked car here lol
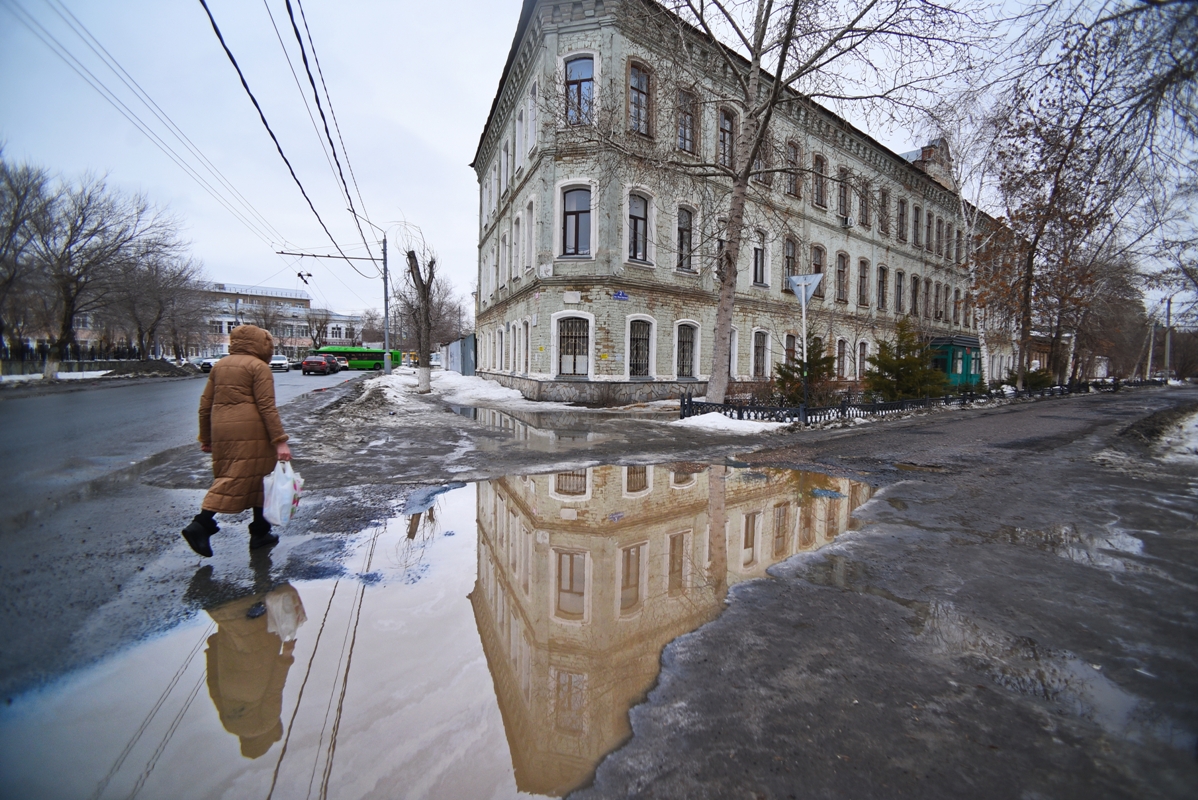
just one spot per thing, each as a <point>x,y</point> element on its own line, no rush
<point>342,362</point>
<point>207,363</point>
<point>322,365</point>
<point>280,362</point>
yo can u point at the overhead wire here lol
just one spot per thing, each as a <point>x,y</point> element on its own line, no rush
<point>64,53</point>
<point>261,115</point>
<point>88,38</point>
<point>316,96</point>
<point>332,111</point>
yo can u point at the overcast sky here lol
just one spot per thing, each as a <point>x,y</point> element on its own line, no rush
<point>411,84</point>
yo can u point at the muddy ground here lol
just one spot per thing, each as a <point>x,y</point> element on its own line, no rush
<point>1016,617</point>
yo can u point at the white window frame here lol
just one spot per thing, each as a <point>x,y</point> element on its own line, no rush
<point>588,584</point>
<point>572,498</point>
<point>628,320</point>
<point>650,225</point>
<point>769,352</point>
<point>531,127</point>
<point>530,238</point>
<point>642,580</point>
<point>648,490</point>
<point>596,82</point>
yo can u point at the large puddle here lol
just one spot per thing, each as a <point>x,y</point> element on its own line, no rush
<point>489,646</point>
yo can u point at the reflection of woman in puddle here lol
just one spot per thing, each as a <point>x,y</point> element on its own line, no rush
<point>248,660</point>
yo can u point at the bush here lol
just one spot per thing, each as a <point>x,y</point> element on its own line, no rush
<point>903,369</point>
<point>1033,381</point>
<point>788,377</point>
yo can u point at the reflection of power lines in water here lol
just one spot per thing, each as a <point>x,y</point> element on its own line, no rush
<point>141,729</point>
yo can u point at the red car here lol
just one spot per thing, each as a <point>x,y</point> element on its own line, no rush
<point>324,365</point>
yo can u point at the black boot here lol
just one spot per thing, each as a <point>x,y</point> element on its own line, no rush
<point>260,535</point>
<point>197,532</point>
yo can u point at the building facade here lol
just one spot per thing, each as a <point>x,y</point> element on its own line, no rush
<point>287,313</point>
<point>596,286</point>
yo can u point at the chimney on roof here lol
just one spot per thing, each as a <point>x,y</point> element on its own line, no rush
<point>937,162</point>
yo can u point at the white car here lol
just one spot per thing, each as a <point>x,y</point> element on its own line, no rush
<point>280,362</point>
<point>207,363</point>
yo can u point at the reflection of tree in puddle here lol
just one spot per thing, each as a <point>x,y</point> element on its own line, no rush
<point>585,575</point>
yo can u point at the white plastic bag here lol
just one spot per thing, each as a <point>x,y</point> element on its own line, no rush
<point>281,494</point>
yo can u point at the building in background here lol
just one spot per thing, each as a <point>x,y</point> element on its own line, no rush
<point>287,313</point>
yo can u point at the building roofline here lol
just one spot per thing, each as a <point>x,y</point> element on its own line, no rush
<point>521,28</point>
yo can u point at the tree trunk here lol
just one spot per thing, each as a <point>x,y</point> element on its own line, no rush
<point>721,351</point>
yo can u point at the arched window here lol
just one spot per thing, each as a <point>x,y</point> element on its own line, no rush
<point>789,263</point>
<point>820,167</point>
<point>638,228</point>
<point>939,236</point>
<point>956,306</point>
<point>792,165</point>
<point>915,295</point>
<point>638,99</point>
<point>532,117</point>
<point>791,345</point>
<point>884,211</point>
<point>842,278</point>
<point>639,334</point>
<point>759,258</point>
<point>927,298</point>
<point>842,358</point>
<point>760,354</point>
<point>843,205</point>
<point>936,302</point>
<point>863,283</point>
<point>902,220</point>
<point>686,121</point>
<point>928,243</point>
<point>883,280</point>
<point>686,240</point>
<point>687,337</point>
<point>817,268</point>
<point>862,355</point>
<point>576,222</point>
<point>916,223</point>
<point>726,146</point>
<point>580,77</point>
<point>573,344</point>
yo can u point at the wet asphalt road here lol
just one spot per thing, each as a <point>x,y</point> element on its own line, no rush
<point>1015,617</point>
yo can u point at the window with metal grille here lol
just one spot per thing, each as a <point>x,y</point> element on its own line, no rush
<point>638,100</point>
<point>580,75</point>
<point>686,351</point>
<point>749,546</point>
<point>686,122</point>
<point>636,479</point>
<point>781,524</point>
<point>638,347</point>
<point>842,278</point>
<point>685,240</point>
<point>727,139</point>
<point>863,282</point>
<point>638,227</point>
<point>576,222</point>
<point>573,346</point>
<point>571,584</point>
<point>571,484</point>
<point>760,353</point>
<point>759,259</point>
<point>819,166</point>
<point>817,268</point>
<point>677,556</point>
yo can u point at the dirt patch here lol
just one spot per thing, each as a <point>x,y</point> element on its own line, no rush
<point>156,369</point>
<point>1147,431</point>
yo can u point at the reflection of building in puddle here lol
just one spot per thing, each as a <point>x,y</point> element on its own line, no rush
<point>561,428</point>
<point>248,660</point>
<point>584,576</point>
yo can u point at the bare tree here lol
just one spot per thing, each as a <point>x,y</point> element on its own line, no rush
<point>318,326</point>
<point>185,323</point>
<point>372,325</point>
<point>266,313</point>
<point>422,279</point>
<point>756,60</point>
<point>23,197</point>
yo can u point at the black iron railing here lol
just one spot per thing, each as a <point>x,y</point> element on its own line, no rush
<point>846,409</point>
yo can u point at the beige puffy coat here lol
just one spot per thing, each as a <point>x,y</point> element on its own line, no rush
<point>239,420</point>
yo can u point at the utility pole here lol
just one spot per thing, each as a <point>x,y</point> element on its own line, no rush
<point>1151,342</point>
<point>1168,337</point>
<point>386,313</point>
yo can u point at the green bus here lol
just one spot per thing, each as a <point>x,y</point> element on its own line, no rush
<point>361,357</point>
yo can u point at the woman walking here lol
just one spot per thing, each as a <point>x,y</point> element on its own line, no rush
<point>240,426</point>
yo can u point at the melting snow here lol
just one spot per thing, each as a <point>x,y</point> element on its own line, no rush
<point>718,422</point>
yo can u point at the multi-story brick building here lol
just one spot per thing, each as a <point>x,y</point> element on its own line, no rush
<point>288,313</point>
<point>593,286</point>
<point>584,576</point>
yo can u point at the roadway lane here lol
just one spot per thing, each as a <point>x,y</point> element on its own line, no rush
<point>56,446</point>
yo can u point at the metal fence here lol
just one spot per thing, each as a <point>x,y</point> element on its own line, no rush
<point>846,409</point>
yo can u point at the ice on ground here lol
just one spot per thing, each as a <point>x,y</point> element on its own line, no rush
<point>1181,443</point>
<point>91,373</point>
<point>716,421</point>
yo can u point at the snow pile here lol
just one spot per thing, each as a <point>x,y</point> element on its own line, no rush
<point>74,376</point>
<point>1181,443</point>
<point>716,421</point>
<point>471,390</point>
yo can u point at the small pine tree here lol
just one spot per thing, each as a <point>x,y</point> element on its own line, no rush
<point>903,369</point>
<point>788,375</point>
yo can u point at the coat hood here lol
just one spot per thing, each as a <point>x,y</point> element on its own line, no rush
<point>251,340</point>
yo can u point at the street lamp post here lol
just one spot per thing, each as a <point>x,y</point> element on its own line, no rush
<point>804,287</point>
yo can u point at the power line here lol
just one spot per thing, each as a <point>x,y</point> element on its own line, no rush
<point>67,57</point>
<point>316,95</point>
<point>115,66</point>
<point>262,116</point>
<point>332,111</point>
